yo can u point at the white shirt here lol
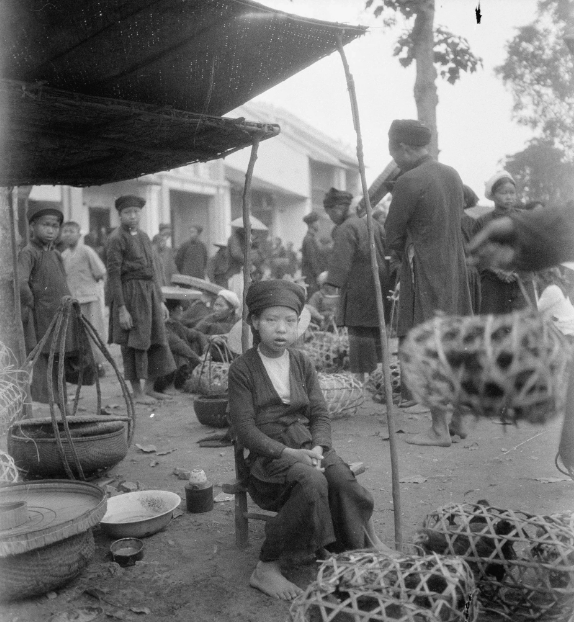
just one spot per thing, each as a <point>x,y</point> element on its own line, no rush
<point>278,371</point>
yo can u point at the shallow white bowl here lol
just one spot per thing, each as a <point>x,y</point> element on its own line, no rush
<point>139,514</point>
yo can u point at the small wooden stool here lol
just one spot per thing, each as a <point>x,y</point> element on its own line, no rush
<point>238,487</point>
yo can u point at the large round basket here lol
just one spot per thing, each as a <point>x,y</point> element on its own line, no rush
<point>343,394</point>
<point>211,411</point>
<point>329,351</point>
<point>509,366</point>
<point>40,457</point>
<point>46,569</point>
<point>523,564</point>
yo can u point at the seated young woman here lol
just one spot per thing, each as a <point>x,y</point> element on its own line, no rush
<point>279,414</point>
<point>223,315</point>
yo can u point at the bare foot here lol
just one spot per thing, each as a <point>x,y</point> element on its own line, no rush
<point>171,391</point>
<point>157,396</point>
<point>268,579</point>
<point>407,403</point>
<point>142,398</point>
<point>430,437</point>
<point>457,427</point>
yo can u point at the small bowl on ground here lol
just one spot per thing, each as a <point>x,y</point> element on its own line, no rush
<point>127,551</point>
<point>139,514</point>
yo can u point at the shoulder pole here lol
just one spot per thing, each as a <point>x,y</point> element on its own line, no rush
<point>380,308</point>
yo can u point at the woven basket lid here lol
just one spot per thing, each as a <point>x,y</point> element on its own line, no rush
<point>193,281</point>
<point>180,293</point>
<point>57,509</point>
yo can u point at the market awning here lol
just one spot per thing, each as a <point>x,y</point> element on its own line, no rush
<point>128,73</point>
<point>55,137</point>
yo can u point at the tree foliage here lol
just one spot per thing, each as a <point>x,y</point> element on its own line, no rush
<point>452,53</point>
<point>542,173</point>
<point>539,70</point>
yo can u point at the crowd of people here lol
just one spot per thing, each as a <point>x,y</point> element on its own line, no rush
<point>277,409</point>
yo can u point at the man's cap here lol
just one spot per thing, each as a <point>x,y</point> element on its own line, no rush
<point>40,209</point>
<point>410,132</point>
<point>129,200</point>
<point>337,197</point>
<point>310,218</point>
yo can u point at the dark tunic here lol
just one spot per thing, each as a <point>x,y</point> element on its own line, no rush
<point>185,344</point>
<point>469,226</point>
<point>210,325</point>
<point>166,264</point>
<point>314,509</point>
<point>43,283</point>
<point>218,266</point>
<point>191,258</point>
<point>425,212</point>
<point>310,262</point>
<point>500,291</point>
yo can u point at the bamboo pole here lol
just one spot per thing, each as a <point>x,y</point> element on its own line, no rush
<point>380,308</point>
<point>247,251</point>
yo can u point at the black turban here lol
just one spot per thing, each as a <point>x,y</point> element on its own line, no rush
<point>39,209</point>
<point>275,293</point>
<point>129,200</point>
<point>409,132</point>
<point>337,197</point>
<point>311,218</point>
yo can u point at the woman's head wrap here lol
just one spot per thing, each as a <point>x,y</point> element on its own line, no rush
<point>491,186</point>
<point>129,200</point>
<point>230,297</point>
<point>409,132</point>
<point>337,197</point>
<point>275,293</point>
<point>40,209</point>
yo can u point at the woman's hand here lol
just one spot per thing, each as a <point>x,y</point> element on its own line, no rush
<point>310,457</point>
<point>126,321</point>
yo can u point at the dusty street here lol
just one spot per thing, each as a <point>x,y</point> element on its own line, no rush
<point>193,570</point>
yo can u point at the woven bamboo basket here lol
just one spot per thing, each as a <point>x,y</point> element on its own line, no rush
<point>510,366</point>
<point>40,457</point>
<point>523,564</point>
<point>343,394</point>
<point>329,351</point>
<point>8,470</point>
<point>376,382</point>
<point>361,586</point>
<point>210,378</point>
<point>42,570</point>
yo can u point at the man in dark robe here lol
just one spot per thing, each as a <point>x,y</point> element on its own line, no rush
<point>350,270</point>
<point>191,257</point>
<point>423,228</point>
<point>311,254</point>
<point>218,265</point>
<point>137,313</point>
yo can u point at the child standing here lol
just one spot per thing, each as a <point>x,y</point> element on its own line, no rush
<point>279,414</point>
<point>500,290</point>
<point>42,286</point>
<point>137,313</point>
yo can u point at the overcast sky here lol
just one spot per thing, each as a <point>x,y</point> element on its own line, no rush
<point>474,116</point>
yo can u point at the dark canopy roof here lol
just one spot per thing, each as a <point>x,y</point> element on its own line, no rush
<point>153,61</point>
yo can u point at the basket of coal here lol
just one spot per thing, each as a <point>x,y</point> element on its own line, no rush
<point>376,383</point>
<point>523,564</point>
<point>361,586</point>
<point>509,366</point>
<point>343,394</point>
<point>329,351</point>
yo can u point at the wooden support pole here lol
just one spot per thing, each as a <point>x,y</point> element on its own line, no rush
<point>247,251</point>
<point>380,307</point>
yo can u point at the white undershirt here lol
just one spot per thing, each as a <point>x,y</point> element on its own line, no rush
<point>278,371</point>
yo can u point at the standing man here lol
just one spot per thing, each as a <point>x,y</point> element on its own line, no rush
<point>84,271</point>
<point>191,257</point>
<point>423,228</point>
<point>164,255</point>
<point>137,313</point>
<point>311,254</point>
<point>350,270</point>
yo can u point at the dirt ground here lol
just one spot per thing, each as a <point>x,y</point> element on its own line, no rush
<point>193,571</point>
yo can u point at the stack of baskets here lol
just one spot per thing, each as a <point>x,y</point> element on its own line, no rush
<point>523,564</point>
<point>509,366</point>
<point>210,381</point>
<point>362,586</point>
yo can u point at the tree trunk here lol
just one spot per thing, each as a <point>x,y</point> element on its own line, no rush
<point>10,324</point>
<point>426,97</point>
